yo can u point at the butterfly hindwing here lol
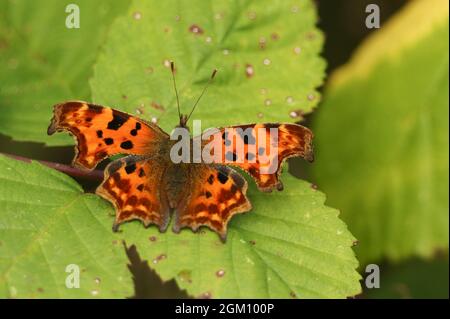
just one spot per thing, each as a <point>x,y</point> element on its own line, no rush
<point>101,132</point>
<point>214,194</point>
<point>134,186</point>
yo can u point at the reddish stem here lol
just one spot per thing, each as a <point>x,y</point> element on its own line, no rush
<point>95,175</point>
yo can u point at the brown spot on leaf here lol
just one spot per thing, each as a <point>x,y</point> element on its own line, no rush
<point>296,114</point>
<point>262,43</point>
<point>196,29</point>
<point>220,273</point>
<point>206,295</point>
<point>249,71</point>
<point>159,258</point>
<point>157,106</point>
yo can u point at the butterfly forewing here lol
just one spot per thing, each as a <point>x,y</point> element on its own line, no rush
<point>260,149</point>
<point>101,132</point>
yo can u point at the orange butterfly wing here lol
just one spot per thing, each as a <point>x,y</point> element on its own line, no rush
<point>133,184</point>
<point>102,132</point>
<point>260,149</point>
<point>214,194</point>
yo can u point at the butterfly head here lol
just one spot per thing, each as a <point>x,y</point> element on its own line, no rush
<point>183,121</point>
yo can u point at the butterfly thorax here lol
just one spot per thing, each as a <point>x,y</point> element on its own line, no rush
<point>178,174</point>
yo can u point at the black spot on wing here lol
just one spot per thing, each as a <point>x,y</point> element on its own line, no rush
<point>238,180</point>
<point>223,178</point>
<point>247,135</point>
<point>230,156</point>
<point>130,168</point>
<point>108,141</point>
<point>114,166</point>
<point>225,138</point>
<point>99,133</point>
<point>249,156</point>
<point>253,171</point>
<point>96,109</point>
<point>224,135</point>
<point>117,121</point>
<point>127,145</point>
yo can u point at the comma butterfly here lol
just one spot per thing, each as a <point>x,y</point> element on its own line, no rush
<point>147,184</point>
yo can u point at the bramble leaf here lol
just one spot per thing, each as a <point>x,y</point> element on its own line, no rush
<point>46,224</point>
<point>382,137</point>
<point>266,53</point>
<point>42,62</point>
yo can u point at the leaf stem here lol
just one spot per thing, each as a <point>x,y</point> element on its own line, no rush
<point>95,175</point>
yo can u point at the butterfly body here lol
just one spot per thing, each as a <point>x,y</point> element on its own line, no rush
<point>147,184</point>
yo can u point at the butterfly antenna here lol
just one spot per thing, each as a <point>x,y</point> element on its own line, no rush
<point>203,92</point>
<point>172,68</point>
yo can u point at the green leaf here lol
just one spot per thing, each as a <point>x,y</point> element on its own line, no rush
<point>382,137</point>
<point>289,245</point>
<point>48,223</point>
<point>42,62</point>
<point>253,83</point>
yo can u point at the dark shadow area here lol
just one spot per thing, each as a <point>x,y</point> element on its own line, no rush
<point>412,279</point>
<point>37,151</point>
<point>147,284</point>
<point>343,23</point>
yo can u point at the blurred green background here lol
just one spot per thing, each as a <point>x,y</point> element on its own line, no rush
<point>411,274</point>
